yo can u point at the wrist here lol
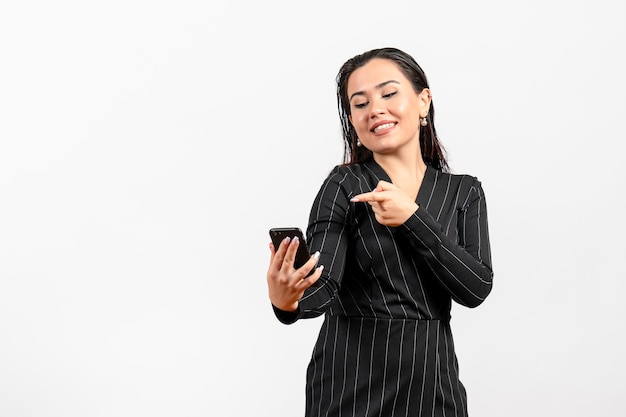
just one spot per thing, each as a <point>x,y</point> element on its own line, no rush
<point>289,308</point>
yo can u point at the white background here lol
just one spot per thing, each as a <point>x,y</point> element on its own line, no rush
<point>147,147</point>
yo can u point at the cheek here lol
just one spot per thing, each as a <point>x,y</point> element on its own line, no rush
<point>359,121</point>
<point>408,110</point>
<point>406,107</point>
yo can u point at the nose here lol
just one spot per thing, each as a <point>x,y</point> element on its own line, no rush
<point>377,107</point>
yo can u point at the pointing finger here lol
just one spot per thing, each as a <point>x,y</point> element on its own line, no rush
<point>374,195</point>
<point>361,198</point>
<point>367,197</point>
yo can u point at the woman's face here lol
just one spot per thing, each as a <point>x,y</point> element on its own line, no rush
<point>385,110</point>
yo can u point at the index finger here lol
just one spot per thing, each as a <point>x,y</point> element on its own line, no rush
<point>277,254</point>
<point>366,197</point>
<point>291,247</point>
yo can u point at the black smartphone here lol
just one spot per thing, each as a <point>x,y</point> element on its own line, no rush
<point>277,234</point>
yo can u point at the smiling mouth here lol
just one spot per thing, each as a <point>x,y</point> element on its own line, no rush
<point>382,127</point>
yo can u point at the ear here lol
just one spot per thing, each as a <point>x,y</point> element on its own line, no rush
<point>350,118</point>
<point>424,99</point>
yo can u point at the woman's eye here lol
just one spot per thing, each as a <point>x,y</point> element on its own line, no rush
<point>360,105</point>
<point>388,95</point>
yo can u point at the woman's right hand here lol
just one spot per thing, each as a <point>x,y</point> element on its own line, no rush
<point>286,284</point>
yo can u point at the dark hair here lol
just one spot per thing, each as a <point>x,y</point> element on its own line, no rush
<point>432,151</point>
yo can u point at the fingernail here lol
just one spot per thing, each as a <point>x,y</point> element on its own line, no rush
<point>354,200</point>
<point>316,255</point>
<point>285,240</point>
<point>321,267</point>
<point>294,239</point>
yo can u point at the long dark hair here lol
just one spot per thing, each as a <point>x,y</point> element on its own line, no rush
<point>433,152</point>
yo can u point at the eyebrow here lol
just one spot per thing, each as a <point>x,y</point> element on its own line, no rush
<point>379,86</point>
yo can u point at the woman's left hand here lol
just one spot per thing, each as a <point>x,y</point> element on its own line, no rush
<point>286,284</point>
<point>391,206</point>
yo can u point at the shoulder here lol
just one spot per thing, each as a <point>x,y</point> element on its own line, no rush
<point>465,187</point>
<point>350,173</point>
<point>464,181</point>
<point>343,169</point>
<point>348,180</point>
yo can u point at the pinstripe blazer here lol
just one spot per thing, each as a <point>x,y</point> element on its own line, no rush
<point>385,347</point>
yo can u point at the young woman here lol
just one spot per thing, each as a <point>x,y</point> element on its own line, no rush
<point>396,238</point>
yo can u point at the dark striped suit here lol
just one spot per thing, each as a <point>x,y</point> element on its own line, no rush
<point>385,347</point>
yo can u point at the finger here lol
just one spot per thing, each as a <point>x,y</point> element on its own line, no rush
<point>306,269</point>
<point>374,195</point>
<point>366,197</point>
<point>278,254</point>
<point>376,207</point>
<point>311,279</point>
<point>272,254</point>
<point>290,254</point>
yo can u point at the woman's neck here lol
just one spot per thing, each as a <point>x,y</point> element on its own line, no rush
<point>405,172</point>
<point>402,166</point>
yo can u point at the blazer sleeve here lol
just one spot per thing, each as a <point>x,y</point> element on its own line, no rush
<point>327,233</point>
<point>463,268</point>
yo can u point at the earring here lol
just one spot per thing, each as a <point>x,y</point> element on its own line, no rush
<point>423,121</point>
<point>358,142</point>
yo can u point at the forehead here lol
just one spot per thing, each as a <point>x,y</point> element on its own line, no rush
<point>374,73</point>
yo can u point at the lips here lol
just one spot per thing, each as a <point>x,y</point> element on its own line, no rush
<point>382,126</point>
